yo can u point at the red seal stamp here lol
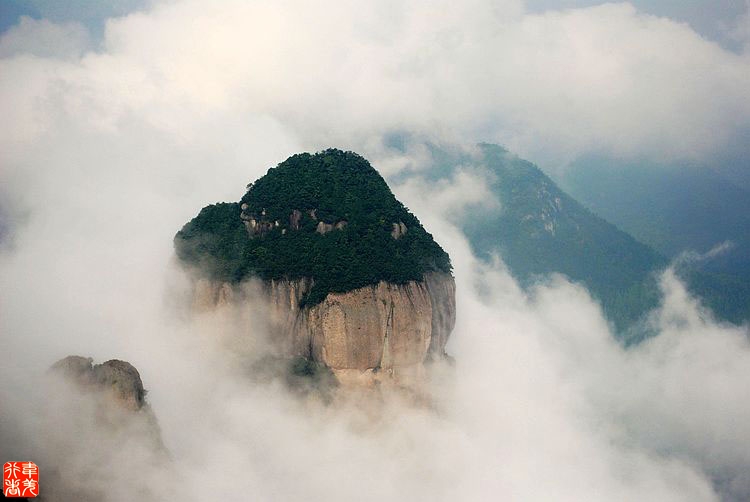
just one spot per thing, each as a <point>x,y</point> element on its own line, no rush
<point>20,479</point>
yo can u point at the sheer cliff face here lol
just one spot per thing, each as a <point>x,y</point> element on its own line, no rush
<point>388,327</point>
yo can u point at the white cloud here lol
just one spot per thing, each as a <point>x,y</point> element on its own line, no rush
<point>44,39</point>
<point>542,403</point>
<point>548,85</point>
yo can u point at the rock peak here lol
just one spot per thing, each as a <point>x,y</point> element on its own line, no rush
<point>351,278</point>
<point>120,378</point>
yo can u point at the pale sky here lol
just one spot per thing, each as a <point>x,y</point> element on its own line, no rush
<point>713,19</point>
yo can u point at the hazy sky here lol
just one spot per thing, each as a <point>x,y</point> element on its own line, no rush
<point>111,141</point>
<point>548,84</point>
<point>714,19</point>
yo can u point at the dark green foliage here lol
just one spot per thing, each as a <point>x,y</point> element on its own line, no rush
<point>214,241</point>
<point>306,376</point>
<point>339,187</point>
<point>727,295</point>
<point>541,230</point>
<point>302,376</point>
<point>303,367</point>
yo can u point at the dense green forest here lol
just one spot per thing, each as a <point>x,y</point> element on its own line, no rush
<point>289,203</point>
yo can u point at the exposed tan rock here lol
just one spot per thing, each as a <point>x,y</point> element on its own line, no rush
<point>208,294</point>
<point>324,228</point>
<point>119,379</point>
<point>294,219</point>
<point>255,227</point>
<point>399,230</point>
<point>386,327</point>
<point>123,381</point>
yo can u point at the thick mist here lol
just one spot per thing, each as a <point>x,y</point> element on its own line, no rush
<point>105,152</point>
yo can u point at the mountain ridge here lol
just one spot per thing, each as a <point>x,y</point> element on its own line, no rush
<point>539,229</point>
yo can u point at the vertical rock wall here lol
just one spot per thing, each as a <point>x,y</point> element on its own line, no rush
<point>386,326</point>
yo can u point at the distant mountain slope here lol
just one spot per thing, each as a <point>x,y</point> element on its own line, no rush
<point>671,208</point>
<point>539,229</point>
<point>677,209</point>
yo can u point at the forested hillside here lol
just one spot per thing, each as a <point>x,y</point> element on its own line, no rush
<point>328,216</point>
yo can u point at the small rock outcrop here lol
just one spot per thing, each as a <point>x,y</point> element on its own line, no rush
<point>119,379</point>
<point>98,428</point>
<point>323,227</point>
<point>399,230</point>
<point>115,390</point>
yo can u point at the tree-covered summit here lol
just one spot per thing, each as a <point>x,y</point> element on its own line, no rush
<point>327,216</point>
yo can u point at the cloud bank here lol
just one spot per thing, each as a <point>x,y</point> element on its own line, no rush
<point>547,85</point>
<point>105,153</point>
